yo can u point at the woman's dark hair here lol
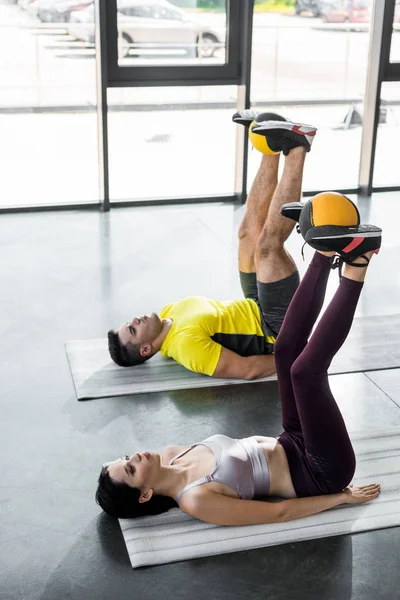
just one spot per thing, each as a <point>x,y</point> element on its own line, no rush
<point>121,501</point>
<point>124,356</point>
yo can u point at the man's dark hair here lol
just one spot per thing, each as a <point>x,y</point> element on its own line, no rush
<point>124,356</point>
<point>119,500</point>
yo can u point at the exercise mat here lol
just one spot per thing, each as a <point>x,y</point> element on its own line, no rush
<point>175,536</point>
<point>372,345</point>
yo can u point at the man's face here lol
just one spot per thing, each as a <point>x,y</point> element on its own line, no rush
<point>141,330</point>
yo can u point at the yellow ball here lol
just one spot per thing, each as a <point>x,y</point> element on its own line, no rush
<point>332,208</point>
<point>259,141</point>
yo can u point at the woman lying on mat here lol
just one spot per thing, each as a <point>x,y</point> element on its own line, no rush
<point>310,464</point>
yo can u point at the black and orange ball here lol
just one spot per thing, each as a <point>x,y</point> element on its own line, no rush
<point>328,208</point>
<point>259,142</point>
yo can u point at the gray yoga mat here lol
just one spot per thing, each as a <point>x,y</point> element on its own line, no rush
<point>373,344</point>
<point>175,536</point>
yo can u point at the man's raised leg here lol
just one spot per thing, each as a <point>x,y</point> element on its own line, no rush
<point>273,262</point>
<point>267,271</point>
<point>257,208</point>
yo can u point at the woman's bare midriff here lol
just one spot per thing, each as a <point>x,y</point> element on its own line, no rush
<point>281,480</point>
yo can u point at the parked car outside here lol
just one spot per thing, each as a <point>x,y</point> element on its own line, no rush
<point>59,11</point>
<point>345,11</point>
<point>155,24</point>
<point>309,6</point>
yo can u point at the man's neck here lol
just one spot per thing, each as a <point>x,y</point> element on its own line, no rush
<point>165,329</point>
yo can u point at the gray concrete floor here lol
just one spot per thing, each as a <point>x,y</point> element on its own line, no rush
<point>72,275</point>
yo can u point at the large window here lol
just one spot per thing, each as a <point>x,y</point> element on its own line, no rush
<point>334,158</point>
<point>171,142</point>
<point>386,172</point>
<point>153,41</point>
<point>48,141</point>
<point>313,69</point>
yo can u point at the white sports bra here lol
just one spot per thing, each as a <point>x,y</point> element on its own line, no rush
<point>240,464</point>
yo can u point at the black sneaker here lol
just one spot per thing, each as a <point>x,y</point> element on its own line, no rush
<point>348,242</point>
<point>246,117</point>
<point>284,136</point>
<point>292,210</point>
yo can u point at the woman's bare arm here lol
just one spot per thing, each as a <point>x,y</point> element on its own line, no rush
<point>304,507</point>
<point>224,510</point>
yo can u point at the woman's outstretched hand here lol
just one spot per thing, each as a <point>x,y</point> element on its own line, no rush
<point>361,494</point>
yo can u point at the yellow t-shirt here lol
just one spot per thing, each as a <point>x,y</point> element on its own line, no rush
<point>201,327</point>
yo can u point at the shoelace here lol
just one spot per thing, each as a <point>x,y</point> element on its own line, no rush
<point>338,261</point>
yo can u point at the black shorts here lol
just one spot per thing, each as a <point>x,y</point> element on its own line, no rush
<point>273,299</point>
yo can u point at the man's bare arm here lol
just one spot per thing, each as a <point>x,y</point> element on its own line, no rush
<point>234,366</point>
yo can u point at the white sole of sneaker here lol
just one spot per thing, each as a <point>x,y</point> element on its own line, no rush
<point>300,128</point>
<point>248,115</point>
<point>368,234</point>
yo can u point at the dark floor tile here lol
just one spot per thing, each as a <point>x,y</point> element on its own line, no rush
<point>341,568</point>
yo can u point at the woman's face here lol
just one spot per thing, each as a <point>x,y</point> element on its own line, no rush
<point>137,471</point>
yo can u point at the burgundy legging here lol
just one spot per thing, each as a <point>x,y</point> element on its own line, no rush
<point>320,455</point>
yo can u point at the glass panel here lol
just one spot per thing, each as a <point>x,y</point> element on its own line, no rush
<point>395,44</point>
<point>312,69</point>
<point>171,142</point>
<point>297,58</point>
<point>333,162</point>
<point>48,142</point>
<point>180,32</point>
<point>386,171</point>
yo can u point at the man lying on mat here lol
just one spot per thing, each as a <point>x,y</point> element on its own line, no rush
<point>236,339</point>
<point>310,465</point>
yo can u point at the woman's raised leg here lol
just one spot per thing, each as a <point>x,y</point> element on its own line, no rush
<point>299,320</point>
<point>328,447</point>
